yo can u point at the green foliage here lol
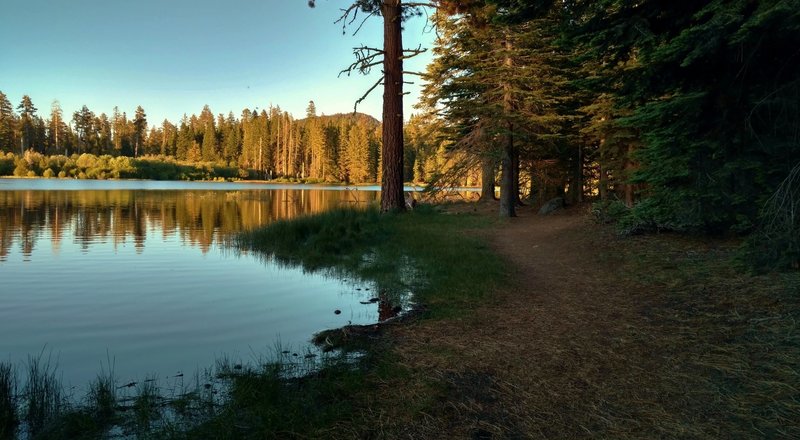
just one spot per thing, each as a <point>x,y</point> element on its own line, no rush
<point>399,252</point>
<point>7,164</point>
<point>776,241</point>
<point>703,91</point>
<point>8,401</point>
<point>89,166</point>
<point>43,394</point>
<point>340,235</point>
<point>102,398</point>
<point>269,144</point>
<point>21,168</point>
<point>609,211</point>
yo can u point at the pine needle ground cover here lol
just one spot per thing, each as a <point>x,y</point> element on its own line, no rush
<point>540,326</point>
<point>592,335</point>
<point>600,336</point>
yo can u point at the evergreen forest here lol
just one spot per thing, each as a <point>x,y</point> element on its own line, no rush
<point>679,116</point>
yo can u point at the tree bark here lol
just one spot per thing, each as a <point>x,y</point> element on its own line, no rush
<point>392,150</point>
<point>487,180</point>
<point>508,200</point>
<point>602,186</point>
<point>515,162</point>
<point>628,187</point>
<point>508,190</point>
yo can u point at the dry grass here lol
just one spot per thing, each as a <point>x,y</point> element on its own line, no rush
<point>652,337</point>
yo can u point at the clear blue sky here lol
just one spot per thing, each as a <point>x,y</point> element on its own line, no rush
<point>174,56</point>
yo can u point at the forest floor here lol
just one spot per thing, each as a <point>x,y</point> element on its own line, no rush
<point>597,335</point>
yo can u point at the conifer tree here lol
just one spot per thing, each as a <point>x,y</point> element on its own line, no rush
<point>356,154</point>
<point>139,130</point>
<point>83,120</point>
<point>27,130</point>
<point>231,139</point>
<point>209,150</point>
<point>169,137</point>
<point>56,128</point>
<point>104,138</point>
<point>184,140</point>
<point>7,124</point>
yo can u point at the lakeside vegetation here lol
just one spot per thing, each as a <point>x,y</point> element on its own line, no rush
<point>289,393</point>
<point>266,145</point>
<point>674,119</point>
<point>671,293</point>
<point>89,166</point>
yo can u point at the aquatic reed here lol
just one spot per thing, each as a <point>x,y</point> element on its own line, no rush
<point>8,404</point>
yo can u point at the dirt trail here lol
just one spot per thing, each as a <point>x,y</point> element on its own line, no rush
<point>601,337</point>
<point>566,352</point>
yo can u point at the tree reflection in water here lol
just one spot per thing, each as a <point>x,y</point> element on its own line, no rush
<point>199,217</point>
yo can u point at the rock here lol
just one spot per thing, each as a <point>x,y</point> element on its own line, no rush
<point>551,205</point>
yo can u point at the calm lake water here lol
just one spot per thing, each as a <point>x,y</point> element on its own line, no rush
<point>139,272</point>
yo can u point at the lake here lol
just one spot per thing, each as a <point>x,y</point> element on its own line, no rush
<point>140,273</point>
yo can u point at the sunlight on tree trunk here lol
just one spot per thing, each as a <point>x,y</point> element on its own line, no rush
<point>392,150</point>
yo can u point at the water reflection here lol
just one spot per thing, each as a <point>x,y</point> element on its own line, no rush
<point>198,218</point>
<point>145,278</point>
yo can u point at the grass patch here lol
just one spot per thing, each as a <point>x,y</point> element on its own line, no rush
<point>426,252</point>
<point>307,394</point>
<point>43,393</point>
<point>728,338</point>
<point>433,255</point>
<point>8,405</point>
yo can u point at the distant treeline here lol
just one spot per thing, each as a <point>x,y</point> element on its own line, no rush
<point>266,144</point>
<point>89,166</point>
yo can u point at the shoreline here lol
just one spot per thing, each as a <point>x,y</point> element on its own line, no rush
<point>572,331</point>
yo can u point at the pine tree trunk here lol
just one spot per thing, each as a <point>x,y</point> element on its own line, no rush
<point>508,189</point>
<point>603,184</point>
<point>516,167</point>
<point>628,187</point>
<point>487,180</point>
<point>508,200</point>
<point>578,181</point>
<point>392,150</point>
<point>575,193</point>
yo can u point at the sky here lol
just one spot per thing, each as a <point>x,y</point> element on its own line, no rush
<point>175,56</point>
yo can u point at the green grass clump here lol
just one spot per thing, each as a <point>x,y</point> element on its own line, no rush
<point>102,398</point>
<point>335,238</point>
<point>432,255</point>
<point>43,394</point>
<point>426,252</point>
<point>8,406</point>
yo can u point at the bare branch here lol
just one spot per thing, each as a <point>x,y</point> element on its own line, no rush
<point>420,5</point>
<point>413,52</point>
<point>366,59</point>
<point>362,22</point>
<point>361,99</point>
<point>345,18</point>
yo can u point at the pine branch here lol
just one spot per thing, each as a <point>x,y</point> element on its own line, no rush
<point>365,60</point>
<point>412,52</point>
<point>361,99</point>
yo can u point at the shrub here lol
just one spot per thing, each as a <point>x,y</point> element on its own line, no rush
<point>7,165</point>
<point>21,169</point>
<point>609,211</point>
<point>776,241</point>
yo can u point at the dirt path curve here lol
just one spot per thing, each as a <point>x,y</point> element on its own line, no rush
<point>596,336</point>
<point>549,357</point>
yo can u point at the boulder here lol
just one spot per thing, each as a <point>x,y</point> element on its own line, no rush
<point>551,205</point>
